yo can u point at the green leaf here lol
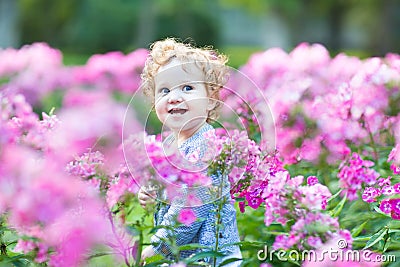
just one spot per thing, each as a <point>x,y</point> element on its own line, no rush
<point>132,230</point>
<point>276,233</point>
<point>376,238</point>
<point>378,210</point>
<point>356,231</point>
<point>202,255</point>
<point>361,239</point>
<point>225,262</point>
<point>100,254</point>
<point>156,259</point>
<point>20,263</point>
<point>387,244</point>
<point>339,207</point>
<point>191,246</point>
<point>335,195</point>
<point>251,244</point>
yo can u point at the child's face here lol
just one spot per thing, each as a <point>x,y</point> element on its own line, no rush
<point>181,99</point>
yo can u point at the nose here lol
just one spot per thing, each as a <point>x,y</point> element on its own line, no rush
<point>175,97</point>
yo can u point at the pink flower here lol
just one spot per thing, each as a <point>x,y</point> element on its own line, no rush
<point>396,188</point>
<point>395,154</point>
<point>194,156</point>
<point>312,180</point>
<point>314,196</point>
<point>395,215</point>
<point>281,241</point>
<point>186,216</point>
<point>24,246</point>
<point>315,242</point>
<point>86,165</point>
<point>354,174</point>
<point>395,204</point>
<point>370,194</point>
<point>384,181</point>
<point>388,190</point>
<point>385,206</point>
<point>254,201</point>
<point>395,169</point>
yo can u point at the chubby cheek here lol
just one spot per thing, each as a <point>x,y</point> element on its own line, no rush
<point>160,111</point>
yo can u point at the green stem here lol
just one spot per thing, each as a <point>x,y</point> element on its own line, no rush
<point>3,246</point>
<point>139,251</point>
<point>218,222</point>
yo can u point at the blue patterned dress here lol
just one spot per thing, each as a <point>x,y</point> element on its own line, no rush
<point>202,231</point>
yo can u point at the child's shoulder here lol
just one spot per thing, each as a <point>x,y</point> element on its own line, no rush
<point>198,141</point>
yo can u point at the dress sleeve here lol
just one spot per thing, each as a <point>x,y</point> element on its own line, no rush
<point>184,234</point>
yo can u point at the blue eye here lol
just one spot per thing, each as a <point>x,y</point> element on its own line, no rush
<point>164,90</point>
<point>186,88</point>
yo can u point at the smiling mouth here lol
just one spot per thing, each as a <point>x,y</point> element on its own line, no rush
<point>177,111</point>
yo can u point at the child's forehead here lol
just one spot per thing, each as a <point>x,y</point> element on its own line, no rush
<point>179,70</point>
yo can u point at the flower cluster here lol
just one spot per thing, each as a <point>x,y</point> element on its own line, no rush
<point>51,212</point>
<point>85,166</point>
<point>394,157</point>
<point>36,71</point>
<point>260,178</point>
<point>311,231</point>
<point>151,165</point>
<point>387,194</point>
<point>324,108</point>
<point>320,104</point>
<point>354,174</point>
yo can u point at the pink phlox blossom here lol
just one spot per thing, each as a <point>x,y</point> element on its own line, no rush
<point>49,121</point>
<point>253,199</point>
<point>113,71</point>
<point>395,169</point>
<point>295,182</point>
<point>281,242</point>
<point>25,246</point>
<point>314,241</point>
<point>119,187</point>
<point>394,154</point>
<point>314,197</point>
<point>312,180</point>
<point>395,203</point>
<point>355,174</point>
<point>384,181</point>
<point>385,206</point>
<point>186,216</point>
<point>370,194</point>
<point>388,190</point>
<point>87,165</point>
<point>396,188</point>
<point>194,156</point>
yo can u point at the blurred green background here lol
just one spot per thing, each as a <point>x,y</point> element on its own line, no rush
<point>236,27</point>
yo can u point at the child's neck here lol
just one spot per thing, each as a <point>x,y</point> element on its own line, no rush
<point>182,136</point>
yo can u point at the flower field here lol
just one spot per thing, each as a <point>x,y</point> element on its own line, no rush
<point>72,157</point>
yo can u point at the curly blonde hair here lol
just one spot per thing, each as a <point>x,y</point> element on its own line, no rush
<point>206,59</point>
